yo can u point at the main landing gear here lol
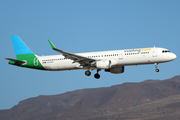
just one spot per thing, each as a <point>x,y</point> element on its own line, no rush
<point>156,65</point>
<point>88,73</point>
<point>97,76</point>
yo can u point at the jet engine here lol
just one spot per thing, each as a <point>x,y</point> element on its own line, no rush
<point>116,70</point>
<point>103,64</point>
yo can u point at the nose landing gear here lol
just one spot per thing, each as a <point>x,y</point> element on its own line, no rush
<point>156,65</point>
<point>157,70</point>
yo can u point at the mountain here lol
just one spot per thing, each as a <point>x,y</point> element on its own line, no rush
<point>120,97</point>
<point>102,103</point>
<point>42,107</point>
<point>167,108</point>
<point>2,112</point>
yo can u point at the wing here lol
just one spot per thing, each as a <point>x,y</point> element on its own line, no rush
<point>83,61</point>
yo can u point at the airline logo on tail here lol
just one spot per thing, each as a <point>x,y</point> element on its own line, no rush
<point>25,57</point>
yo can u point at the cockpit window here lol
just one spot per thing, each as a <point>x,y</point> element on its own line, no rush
<point>165,51</point>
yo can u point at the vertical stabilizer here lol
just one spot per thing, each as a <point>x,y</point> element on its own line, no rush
<point>20,47</point>
<point>25,57</point>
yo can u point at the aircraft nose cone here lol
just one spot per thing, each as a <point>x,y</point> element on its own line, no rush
<point>174,56</point>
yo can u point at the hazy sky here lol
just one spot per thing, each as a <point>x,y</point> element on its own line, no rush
<point>83,26</point>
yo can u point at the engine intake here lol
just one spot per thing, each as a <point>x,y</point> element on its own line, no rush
<point>104,64</point>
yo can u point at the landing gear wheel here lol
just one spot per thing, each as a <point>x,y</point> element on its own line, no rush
<point>157,70</point>
<point>156,65</point>
<point>87,73</point>
<point>97,76</point>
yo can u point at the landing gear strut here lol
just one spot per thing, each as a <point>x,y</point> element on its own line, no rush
<point>156,65</point>
<point>88,73</point>
<point>97,76</point>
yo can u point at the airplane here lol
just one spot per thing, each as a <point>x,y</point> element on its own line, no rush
<point>113,61</point>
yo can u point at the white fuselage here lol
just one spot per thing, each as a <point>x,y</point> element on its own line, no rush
<point>126,57</point>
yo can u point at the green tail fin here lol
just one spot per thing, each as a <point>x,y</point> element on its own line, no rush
<point>25,57</point>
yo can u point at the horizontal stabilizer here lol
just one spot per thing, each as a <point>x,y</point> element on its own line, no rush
<point>17,61</point>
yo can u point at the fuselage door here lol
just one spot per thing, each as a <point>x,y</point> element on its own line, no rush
<point>120,55</point>
<point>154,52</point>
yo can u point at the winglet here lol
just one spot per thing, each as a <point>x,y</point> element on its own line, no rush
<point>54,48</point>
<point>52,45</point>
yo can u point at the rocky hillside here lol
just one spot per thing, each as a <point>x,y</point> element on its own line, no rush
<point>100,103</point>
